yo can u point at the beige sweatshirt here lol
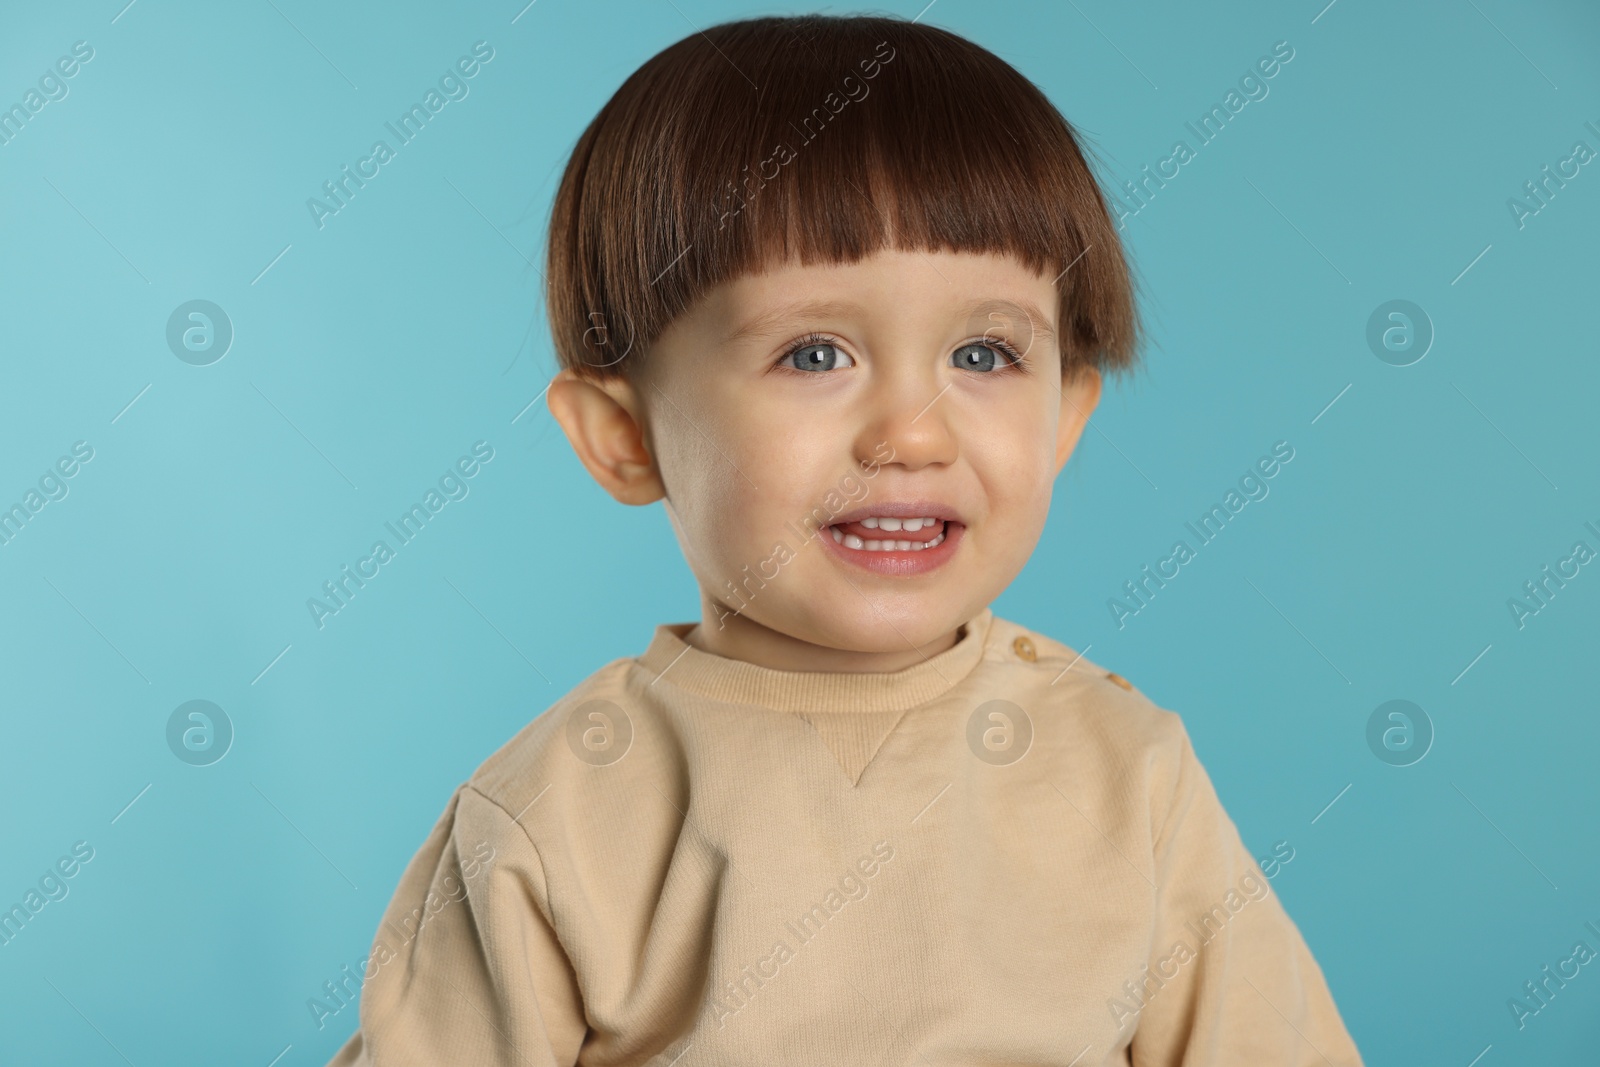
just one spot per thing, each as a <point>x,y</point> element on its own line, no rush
<point>1002,855</point>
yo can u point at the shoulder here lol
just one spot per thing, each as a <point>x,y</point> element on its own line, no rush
<point>1017,643</point>
<point>582,723</point>
<point>1103,704</point>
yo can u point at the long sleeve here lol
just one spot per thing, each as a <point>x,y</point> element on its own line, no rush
<point>466,966</point>
<point>1230,980</point>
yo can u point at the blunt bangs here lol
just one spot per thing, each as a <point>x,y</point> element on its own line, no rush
<point>821,139</point>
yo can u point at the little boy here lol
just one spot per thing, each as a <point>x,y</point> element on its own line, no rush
<point>840,292</point>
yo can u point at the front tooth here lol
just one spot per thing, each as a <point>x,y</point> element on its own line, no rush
<point>888,523</point>
<point>870,522</point>
<point>911,525</point>
<point>886,544</point>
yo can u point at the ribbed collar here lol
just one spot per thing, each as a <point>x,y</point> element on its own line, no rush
<point>677,663</point>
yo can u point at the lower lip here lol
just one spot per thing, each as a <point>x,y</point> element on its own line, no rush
<point>897,564</point>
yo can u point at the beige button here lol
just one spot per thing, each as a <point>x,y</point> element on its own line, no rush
<point>1117,679</point>
<point>1024,649</point>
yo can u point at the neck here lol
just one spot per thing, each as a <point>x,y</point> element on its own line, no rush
<point>742,638</point>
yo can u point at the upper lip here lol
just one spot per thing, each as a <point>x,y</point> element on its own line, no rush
<point>914,509</point>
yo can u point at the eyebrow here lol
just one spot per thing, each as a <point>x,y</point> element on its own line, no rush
<point>770,323</point>
<point>1029,311</point>
<point>776,321</point>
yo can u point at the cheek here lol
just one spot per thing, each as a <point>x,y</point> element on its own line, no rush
<point>734,484</point>
<point>707,494</point>
<point>1019,494</point>
<point>1016,459</point>
<point>797,464</point>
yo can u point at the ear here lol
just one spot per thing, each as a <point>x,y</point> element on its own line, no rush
<point>603,420</point>
<point>1080,392</point>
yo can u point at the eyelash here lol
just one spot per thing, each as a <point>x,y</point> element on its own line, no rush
<point>1018,361</point>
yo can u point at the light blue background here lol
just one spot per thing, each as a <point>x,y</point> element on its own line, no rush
<point>376,350</point>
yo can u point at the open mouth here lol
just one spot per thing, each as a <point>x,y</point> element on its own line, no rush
<point>921,539</point>
<point>886,533</point>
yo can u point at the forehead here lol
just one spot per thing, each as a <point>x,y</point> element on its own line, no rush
<point>987,287</point>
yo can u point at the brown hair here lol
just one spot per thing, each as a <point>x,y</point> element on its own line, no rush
<point>826,138</point>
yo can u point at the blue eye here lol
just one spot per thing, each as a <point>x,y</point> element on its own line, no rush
<point>985,356</point>
<point>816,353</point>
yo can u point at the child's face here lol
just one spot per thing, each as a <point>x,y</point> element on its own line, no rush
<point>906,414</point>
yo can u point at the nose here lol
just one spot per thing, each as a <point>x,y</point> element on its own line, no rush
<point>911,415</point>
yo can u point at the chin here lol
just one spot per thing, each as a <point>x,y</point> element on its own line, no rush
<point>890,623</point>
